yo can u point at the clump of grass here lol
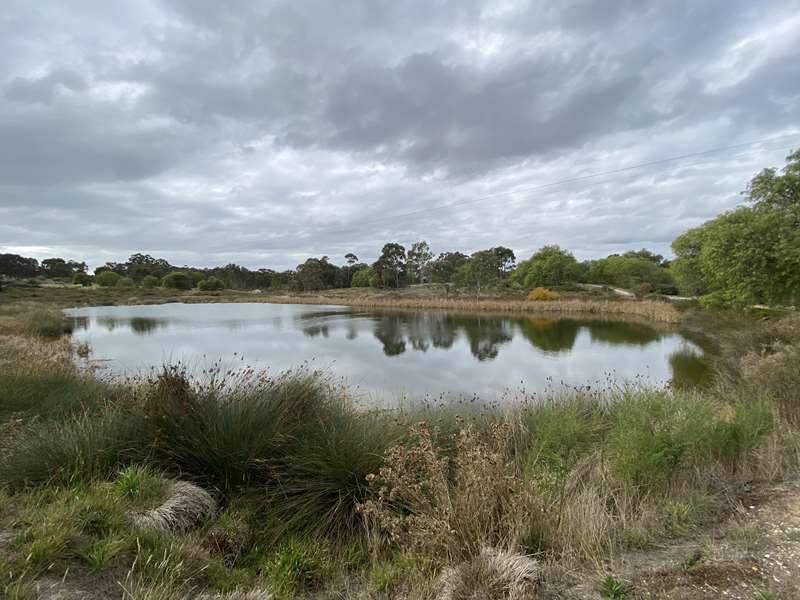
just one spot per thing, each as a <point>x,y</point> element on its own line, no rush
<point>78,449</point>
<point>139,483</point>
<point>323,477</point>
<point>294,568</point>
<point>492,574</point>
<point>48,324</point>
<point>98,554</point>
<point>230,432</point>
<point>613,589</point>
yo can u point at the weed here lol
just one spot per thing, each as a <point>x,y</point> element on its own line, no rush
<point>294,568</point>
<point>139,483</point>
<point>612,588</point>
<point>99,553</point>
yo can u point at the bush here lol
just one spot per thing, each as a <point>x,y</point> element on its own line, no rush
<point>125,283</point>
<point>543,294</point>
<point>83,279</point>
<point>657,434</point>
<point>361,278</point>
<point>107,279</point>
<point>150,282</point>
<point>178,280</point>
<point>210,284</point>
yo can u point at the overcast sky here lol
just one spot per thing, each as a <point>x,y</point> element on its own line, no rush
<point>216,131</point>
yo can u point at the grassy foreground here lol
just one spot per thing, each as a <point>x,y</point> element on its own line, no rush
<point>317,499</point>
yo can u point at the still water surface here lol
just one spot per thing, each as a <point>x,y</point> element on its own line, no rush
<point>387,355</point>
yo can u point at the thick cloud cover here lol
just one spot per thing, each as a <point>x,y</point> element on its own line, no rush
<point>211,131</point>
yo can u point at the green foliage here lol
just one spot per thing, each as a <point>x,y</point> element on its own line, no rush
<point>83,279</point>
<point>610,587</point>
<point>139,482</point>
<point>98,554</point>
<point>749,255</point>
<point>178,280</point>
<point>150,282</point>
<point>656,434</point>
<point>550,266</point>
<point>419,257</point>
<point>485,268</point>
<point>196,276</point>
<point>295,568</point>
<point>362,277</point>
<point>630,271</point>
<point>316,274</point>
<point>390,268</point>
<point>125,283</point>
<point>443,269</point>
<point>14,265</point>
<point>211,284</point>
<point>324,477</point>
<point>106,279</point>
<point>561,432</point>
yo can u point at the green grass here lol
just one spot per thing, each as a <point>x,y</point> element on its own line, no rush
<point>47,393</point>
<point>78,449</point>
<point>139,483</point>
<point>613,589</point>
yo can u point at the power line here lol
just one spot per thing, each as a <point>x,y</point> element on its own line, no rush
<point>556,183</point>
<point>560,182</point>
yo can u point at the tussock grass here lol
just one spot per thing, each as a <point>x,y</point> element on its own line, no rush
<point>79,448</point>
<point>48,324</point>
<point>185,507</point>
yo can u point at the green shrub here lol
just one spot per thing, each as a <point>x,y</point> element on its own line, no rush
<point>178,280</point>
<point>210,284</point>
<point>361,278</point>
<point>83,279</point>
<point>106,279</point>
<point>613,589</point>
<point>561,432</point>
<point>656,434</point>
<point>732,437</point>
<point>150,281</point>
<point>126,283</point>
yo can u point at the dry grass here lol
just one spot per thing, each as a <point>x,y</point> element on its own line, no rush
<point>656,311</point>
<point>446,505</point>
<point>186,506</point>
<point>491,575</point>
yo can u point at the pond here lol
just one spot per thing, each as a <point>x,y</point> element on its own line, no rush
<point>388,355</point>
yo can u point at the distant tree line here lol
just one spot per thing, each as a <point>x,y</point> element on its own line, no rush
<point>745,256</point>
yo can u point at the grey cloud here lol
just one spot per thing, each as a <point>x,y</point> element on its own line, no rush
<point>207,130</point>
